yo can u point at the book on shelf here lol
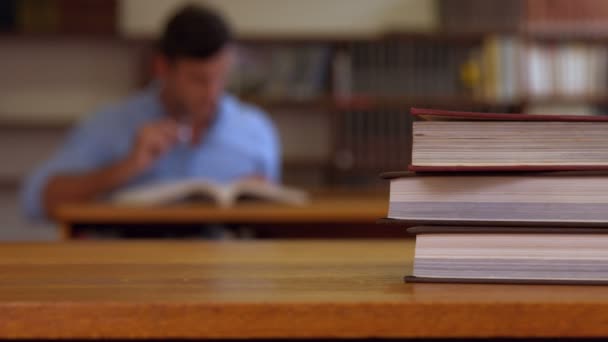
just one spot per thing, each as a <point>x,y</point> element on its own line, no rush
<point>88,16</point>
<point>37,16</point>
<point>371,139</point>
<point>573,71</point>
<point>8,16</point>
<point>565,16</point>
<point>418,68</point>
<point>470,141</point>
<point>59,16</point>
<point>463,16</point>
<point>281,72</point>
<point>489,254</point>
<point>202,191</point>
<point>536,16</point>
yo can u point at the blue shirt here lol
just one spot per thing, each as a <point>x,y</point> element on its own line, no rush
<point>241,142</point>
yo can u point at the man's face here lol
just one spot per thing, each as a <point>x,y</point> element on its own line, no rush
<point>194,86</point>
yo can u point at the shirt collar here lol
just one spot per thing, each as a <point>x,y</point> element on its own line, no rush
<point>157,110</point>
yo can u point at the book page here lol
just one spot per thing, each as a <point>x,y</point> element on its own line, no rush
<point>265,191</point>
<point>168,192</point>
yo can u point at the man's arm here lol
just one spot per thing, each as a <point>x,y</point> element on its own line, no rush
<point>70,188</point>
<point>74,176</point>
<point>271,154</point>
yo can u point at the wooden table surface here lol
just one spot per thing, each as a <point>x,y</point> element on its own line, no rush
<point>277,289</point>
<point>323,209</point>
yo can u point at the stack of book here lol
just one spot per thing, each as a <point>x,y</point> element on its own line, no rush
<point>495,198</point>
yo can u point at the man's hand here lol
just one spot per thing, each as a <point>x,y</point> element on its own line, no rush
<point>152,142</point>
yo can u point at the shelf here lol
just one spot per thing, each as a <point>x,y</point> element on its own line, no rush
<point>74,37</point>
<point>329,104</point>
<point>601,100</point>
<point>317,104</point>
<point>405,102</point>
<point>305,162</point>
<point>326,105</point>
<point>405,36</point>
<point>149,40</point>
<point>401,36</point>
<point>556,35</point>
<point>322,105</point>
<point>439,36</point>
<point>301,39</point>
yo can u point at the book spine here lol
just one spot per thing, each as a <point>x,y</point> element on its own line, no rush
<point>8,15</point>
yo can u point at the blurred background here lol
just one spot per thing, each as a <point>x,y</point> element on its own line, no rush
<point>337,76</point>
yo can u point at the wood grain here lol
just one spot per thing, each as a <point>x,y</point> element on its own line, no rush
<point>278,289</point>
<point>333,209</point>
<point>319,211</point>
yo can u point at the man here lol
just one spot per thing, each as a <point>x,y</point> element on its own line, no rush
<point>183,126</point>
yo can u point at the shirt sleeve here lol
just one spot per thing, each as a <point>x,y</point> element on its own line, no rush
<point>84,149</point>
<point>272,156</point>
<point>270,165</point>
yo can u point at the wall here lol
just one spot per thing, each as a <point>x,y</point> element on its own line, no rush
<point>292,17</point>
<point>62,79</point>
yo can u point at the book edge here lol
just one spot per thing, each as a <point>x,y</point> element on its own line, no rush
<point>505,224</point>
<point>422,113</point>
<point>413,279</point>
<point>418,230</point>
<point>510,168</point>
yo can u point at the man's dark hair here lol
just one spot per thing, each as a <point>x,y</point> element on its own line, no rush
<point>194,31</point>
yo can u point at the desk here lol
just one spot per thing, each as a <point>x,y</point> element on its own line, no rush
<point>323,210</point>
<point>269,289</point>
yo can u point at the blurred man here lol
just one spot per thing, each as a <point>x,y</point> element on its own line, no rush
<point>182,126</point>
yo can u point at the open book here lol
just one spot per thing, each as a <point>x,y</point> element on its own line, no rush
<point>224,195</point>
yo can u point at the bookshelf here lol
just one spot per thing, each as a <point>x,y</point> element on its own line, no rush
<point>361,87</point>
<point>59,16</point>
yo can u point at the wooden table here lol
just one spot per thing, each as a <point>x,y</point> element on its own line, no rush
<point>272,289</point>
<point>323,210</point>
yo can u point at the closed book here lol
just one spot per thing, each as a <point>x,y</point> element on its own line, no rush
<point>470,141</point>
<point>516,199</point>
<point>523,255</point>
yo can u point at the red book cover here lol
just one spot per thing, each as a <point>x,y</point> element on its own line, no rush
<point>435,114</point>
<point>510,168</point>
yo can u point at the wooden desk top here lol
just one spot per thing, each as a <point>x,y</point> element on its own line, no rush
<point>276,289</point>
<point>328,209</point>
